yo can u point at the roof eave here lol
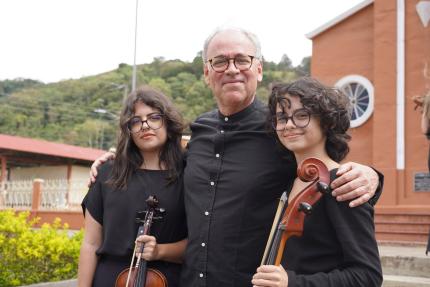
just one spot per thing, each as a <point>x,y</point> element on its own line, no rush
<point>338,19</point>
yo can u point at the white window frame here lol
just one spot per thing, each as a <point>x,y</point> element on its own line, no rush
<point>370,90</point>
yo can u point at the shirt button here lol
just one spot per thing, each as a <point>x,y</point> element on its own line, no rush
<point>201,275</point>
<point>206,213</point>
<point>226,119</point>
<point>217,155</point>
<point>212,183</point>
<point>203,244</point>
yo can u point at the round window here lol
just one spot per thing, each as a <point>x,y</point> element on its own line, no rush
<point>360,92</point>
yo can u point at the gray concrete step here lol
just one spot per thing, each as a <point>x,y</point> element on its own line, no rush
<point>405,281</point>
<point>405,260</point>
<point>405,265</point>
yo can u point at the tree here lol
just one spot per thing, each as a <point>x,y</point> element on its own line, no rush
<point>285,63</point>
<point>161,85</point>
<point>197,65</point>
<point>304,69</point>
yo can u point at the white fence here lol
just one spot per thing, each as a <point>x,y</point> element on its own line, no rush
<point>17,194</point>
<point>58,194</point>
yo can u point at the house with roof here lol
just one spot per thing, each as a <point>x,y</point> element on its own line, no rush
<point>26,159</point>
<point>47,178</point>
<point>378,53</point>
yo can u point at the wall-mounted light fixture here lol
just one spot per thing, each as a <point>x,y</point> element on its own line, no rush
<point>423,10</point>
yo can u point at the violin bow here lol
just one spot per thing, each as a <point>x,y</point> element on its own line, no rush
<point>279,210</point>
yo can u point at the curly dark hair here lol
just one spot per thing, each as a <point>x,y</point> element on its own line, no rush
<point>329,104</point>
<point>128,158</point>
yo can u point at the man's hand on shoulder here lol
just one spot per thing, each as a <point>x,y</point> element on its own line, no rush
<point>98,162</point>
<point>355,182</point>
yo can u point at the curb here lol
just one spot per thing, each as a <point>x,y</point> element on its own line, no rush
<point>65,283</point>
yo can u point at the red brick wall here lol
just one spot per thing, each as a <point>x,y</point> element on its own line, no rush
<point>345,49</point>
<point>366,44</point>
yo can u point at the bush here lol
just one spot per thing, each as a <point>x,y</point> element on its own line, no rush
<point>29,255</point>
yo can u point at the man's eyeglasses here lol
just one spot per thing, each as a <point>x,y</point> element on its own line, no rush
<point>241,62</point>
<point>153,121</point>
<point>300,119</point>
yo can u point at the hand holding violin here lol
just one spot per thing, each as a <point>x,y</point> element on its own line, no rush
<point>151,248</point>
<point>270,276</point>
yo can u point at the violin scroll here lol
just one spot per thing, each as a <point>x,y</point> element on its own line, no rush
<point>310,169</point>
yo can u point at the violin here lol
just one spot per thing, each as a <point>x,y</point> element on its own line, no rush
<point>139,275</point>
<point>289,218</point>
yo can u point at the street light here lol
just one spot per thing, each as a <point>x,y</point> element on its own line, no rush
<point>106,112</point>
<point>135,46</point>
<point>111,116</point>
<point>124,87</point>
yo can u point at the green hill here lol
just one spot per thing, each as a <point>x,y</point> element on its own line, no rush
<point>84,111</point>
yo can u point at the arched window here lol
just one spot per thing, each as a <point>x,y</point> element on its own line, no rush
<point>360,92</point>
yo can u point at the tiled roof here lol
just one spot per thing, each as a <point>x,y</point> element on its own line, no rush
<point>21,144</point>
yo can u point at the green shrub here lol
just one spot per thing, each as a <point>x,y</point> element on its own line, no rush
<point>29,255</point>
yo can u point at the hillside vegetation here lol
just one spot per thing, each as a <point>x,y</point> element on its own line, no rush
<point>85,111</point>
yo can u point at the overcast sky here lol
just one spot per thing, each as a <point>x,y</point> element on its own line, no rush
<point>53,40</point>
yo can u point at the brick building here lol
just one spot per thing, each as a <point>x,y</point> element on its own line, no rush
<point>378,52</point>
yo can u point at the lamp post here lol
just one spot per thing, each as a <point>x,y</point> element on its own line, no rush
<point>124,87</point>
<point>111,116</point>
<point>135,46</point>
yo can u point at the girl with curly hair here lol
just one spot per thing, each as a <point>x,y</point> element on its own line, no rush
<point>338,246</point>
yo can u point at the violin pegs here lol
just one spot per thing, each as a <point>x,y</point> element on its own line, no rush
<point>323,187</point>
<point>305,207</point>
<point>140,216</point>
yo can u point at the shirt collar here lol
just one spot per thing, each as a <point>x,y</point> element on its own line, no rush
<point>239,115</point>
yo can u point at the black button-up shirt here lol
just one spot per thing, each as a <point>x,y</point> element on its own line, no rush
<point>234,176</point>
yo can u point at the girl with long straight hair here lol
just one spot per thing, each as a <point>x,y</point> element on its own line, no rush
<point>148,162</point>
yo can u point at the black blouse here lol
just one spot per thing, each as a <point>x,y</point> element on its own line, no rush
<point>116,211</point>
<point>233,178</point>
<point>337,248</point>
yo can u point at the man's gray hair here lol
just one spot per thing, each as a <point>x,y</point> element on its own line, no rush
<point>251,36</point>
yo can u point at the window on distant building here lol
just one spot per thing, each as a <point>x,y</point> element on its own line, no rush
<point>360,92</point>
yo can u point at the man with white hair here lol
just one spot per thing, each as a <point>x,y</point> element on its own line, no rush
<point>235,173</point>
